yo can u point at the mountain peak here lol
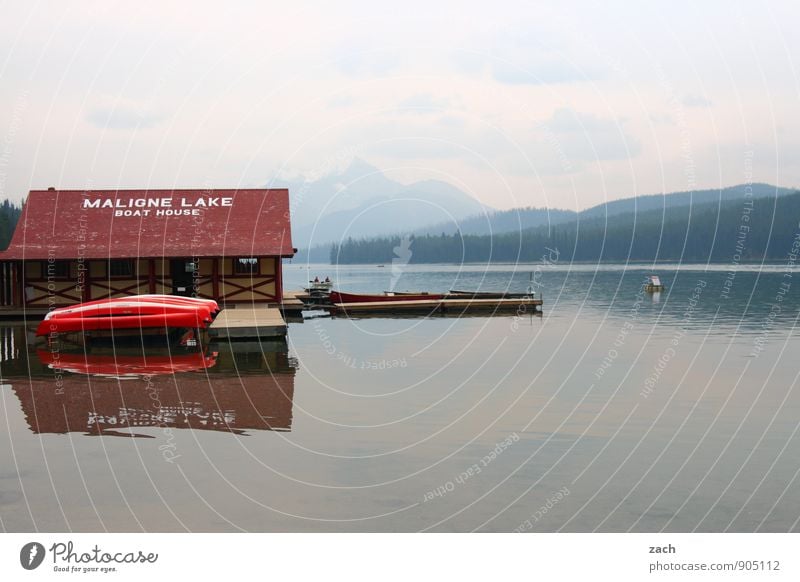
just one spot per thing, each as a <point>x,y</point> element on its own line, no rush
<point>361,200</point>
<point>358,168</point>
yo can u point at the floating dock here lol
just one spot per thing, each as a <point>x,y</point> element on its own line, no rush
<point>269,320</point>
<point>243,322</point>
<point>521,305</point>
<point>293,302</point>
<point>263,321</point>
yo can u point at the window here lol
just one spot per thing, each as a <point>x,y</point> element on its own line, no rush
<point>120,268</point>
<point>245,266</point>
<point>56,269</point>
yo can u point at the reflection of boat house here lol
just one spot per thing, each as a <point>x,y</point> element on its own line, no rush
<point>101,405</point>
<point>235,387</point>
<point>71,246</point>
<point>98,405</point>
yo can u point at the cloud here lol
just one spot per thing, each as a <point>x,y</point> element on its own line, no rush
<point>563,143</point>
<point>363,60</point>
<point>423,103</point>
<point>527,69</point>
<point>696,101</point>
<point>662,118</point>
<point>525,56</point>
<point>123,117</point>
<point>584,137</point>
<point>541,73</point>
<point>341,100</point>
<point>418,148</point>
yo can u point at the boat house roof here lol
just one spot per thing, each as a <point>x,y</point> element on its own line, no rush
<point>112,224</point>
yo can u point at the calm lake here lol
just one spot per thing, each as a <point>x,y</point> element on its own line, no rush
<point>614,410</point>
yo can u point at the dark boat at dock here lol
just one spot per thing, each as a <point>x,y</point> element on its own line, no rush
<point>338,297</point>
<point>433,303</point>
<point>486,295</point>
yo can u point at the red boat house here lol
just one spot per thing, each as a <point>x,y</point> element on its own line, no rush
<point>73,245</point>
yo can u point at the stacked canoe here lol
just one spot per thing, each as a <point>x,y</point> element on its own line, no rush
<point>134,312</point>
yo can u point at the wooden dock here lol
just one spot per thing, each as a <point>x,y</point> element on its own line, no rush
<point>293,301</point>
<point>260,321</point>
<point>249,323</point>
<point>521,305</point>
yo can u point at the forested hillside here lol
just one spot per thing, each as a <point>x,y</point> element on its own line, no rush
<point>661,201</point>
<point>9,215</point>
<point>502,221</point>
<point>748,229</point>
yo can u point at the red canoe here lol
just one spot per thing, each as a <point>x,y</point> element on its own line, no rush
<point>339,297</point>
<point>118,314</point>
<point>155,298</point>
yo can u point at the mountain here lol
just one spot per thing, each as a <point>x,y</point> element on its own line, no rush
<point>661,201</point>
<point>521,218</point>
<point>502,221</point>
<point>712,231</point>
<point>361,201</point>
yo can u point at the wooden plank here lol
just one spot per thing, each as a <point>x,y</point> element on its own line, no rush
<point>292,302</point>
<point>248,323</point>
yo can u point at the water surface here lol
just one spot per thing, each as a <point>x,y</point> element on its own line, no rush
<point>614,410</point>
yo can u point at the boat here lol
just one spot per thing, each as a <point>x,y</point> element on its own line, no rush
<point>487,295</point>
<point>156,298</point>
<point>119,365</point>
<point>320,285</point>
<point>318,288</point>
<point>338,297</point>
<point>212,304</point>
<point>116,314</point>
<point>653,284</point>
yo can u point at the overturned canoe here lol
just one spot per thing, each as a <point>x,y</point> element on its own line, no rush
<point>118,314</point>
<point>212,305</point>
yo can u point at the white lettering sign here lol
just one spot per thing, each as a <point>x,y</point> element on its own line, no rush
<point>141,206</point>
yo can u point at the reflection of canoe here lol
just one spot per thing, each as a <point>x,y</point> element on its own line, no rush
<point>339,297</point>
<point>126,365</point>
<point>127,314</point>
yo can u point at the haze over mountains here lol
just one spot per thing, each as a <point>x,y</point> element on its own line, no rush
<point>522,218</point>
<point>763,228</point>
<point>361,201</point>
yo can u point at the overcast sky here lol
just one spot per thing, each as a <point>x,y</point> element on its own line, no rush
<point>563,104</point>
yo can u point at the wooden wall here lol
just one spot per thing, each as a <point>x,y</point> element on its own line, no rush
<point>215,278</point>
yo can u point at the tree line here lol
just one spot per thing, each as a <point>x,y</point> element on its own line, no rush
<point>748,229</point>
<point>9,215</point>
